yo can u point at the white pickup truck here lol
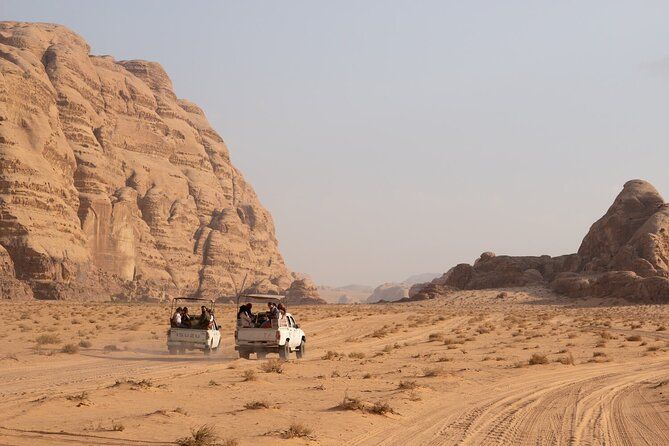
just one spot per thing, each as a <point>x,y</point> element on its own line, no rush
<point>280,336</point>
<point>194,335</point>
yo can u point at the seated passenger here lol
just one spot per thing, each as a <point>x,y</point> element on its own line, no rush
<point>185,318</point>
<point>204,318</point>
<point>245,315</point>
<point>176,318</point>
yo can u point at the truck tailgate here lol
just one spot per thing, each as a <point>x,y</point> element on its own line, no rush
<point>264,335</point>
<point>188,335</point>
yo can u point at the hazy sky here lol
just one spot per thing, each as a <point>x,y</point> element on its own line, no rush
<point>393,138</point>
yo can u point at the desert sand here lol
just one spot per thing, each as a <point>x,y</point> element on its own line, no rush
<point>516,366</point>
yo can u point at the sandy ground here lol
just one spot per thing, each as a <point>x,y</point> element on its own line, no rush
<point>450,371</point>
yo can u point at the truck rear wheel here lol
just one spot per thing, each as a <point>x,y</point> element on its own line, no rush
<point>244,354</point>
<point>284,351</point>
<point>207,351</point>
<point>301,350</point>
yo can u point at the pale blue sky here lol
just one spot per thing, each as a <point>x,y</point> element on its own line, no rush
<point>392,138</point>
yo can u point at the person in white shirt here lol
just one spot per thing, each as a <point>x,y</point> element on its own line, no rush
<point>176,318</point>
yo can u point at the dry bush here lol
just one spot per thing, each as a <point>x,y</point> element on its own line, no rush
<point>79,397</point>
<point>381,332</point>
<point>606,335</point>
<point>661,328</point>
<point>296,430</point>
<point>205,435</point>
<point>451,341</point>
<point>600,344</point>
<point>538,358</point>
<point>381,408</point>
<point>249,375</point>
<point>47,339</point>
<point>432,372</point>
<point>351,403</point>
<point>367,376</point>
<point>407,385</point>
<point>566,360</point>
<point>272,366</point>
<point>330,355</point>
<point>117,427</point>
<point>213,383</point>
<point>70,349</point>
<point>356,355</point>
<point>633,338</point>
<point>598,354</point>
<point>485,328</point>
<point>111,348</point>
<point>435,337</point>
<point>85,344</point>
<point>255,405</point>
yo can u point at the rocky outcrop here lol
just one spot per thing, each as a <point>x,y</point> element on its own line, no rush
<point>389,292</point>
<point>109,180</point>
<point>624,254</point>
<point>303,292</point>
<point>10,286</point>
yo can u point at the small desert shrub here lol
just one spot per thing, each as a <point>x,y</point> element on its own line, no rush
<point>633,338</point>
<point>204,436</point>
<point>652,348</point>
<point>249,375</point>
<point>451,341</point>
<point>296,430</point>
<point>356,355</point>
<point>367,376</point>
<point>272,366</point>
<point>381,408</point>
<point>117,427</point>
<point>538,358</point>
<point>330,355</point>
<point>213,383</point>
<point>47,339</point>
<point>85,344</point>
<point>598,354</point>
<point>351,403</point>
<point>70,349</point>
<point>111,348</point>
<point>407,385</point>
<point>79,397</point>
<point>661,328</point>
<point>380,333</point>
<point>606,335</point>
<point>255,405</point>
<point>430,373</point>
<point>566,360</point>
<point>435,337</point>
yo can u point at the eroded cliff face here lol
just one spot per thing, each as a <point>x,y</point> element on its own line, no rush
<point>109,182</point>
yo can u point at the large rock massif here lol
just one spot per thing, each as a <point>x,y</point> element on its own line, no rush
<point>111,185</point>
<point>625,254</point>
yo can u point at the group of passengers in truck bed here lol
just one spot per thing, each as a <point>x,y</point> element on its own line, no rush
<point>247,319</point>
<point>182,319</point>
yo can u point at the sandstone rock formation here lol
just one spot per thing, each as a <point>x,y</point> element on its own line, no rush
<point>303,291</point>
<point>109,183</point>
<point>389,292</point>
<point>625,254</point>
